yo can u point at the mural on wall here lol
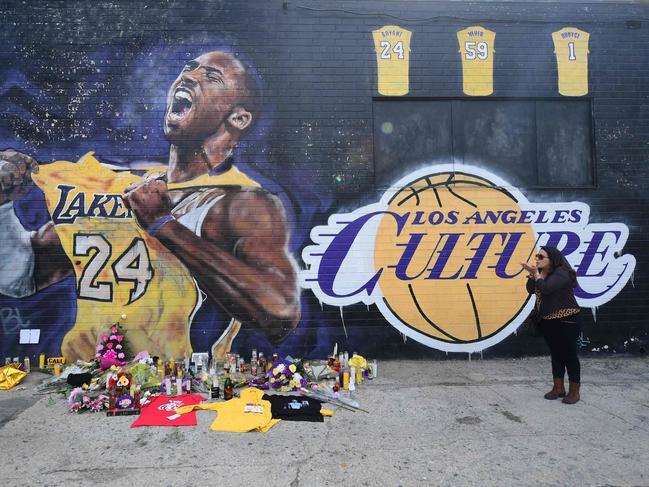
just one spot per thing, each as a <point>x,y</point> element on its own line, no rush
<point>571,51</point>
<point>477,54</point>
<point>150,246</point>
<point>440,256</point>
<point>203,250</point>
<point>392,47</point>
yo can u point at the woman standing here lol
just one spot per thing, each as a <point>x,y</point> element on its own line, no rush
<point>552,281</point>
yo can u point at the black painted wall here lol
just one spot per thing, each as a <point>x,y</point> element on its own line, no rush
<point>79,76</point>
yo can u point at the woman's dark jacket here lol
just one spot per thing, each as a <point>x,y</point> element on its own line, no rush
<point>556,292</point>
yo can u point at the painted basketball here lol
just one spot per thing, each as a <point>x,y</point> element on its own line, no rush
<point>446,274</point>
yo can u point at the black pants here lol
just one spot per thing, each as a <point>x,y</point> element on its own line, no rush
<point>561,336</point>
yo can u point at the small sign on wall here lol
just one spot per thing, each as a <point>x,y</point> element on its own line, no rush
<point>29,336</point>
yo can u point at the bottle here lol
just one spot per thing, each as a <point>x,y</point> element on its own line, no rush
<point>168,386</point>
<point>253,367</point>
<point>215,391</point>
<point>242,366</point>
<point>179,386</point>
<point>346,378</point>
<point>137,397</point>
<point>359,375</point>
<point>352,379</point>
<point>41,361</point>
<point>26,362</point>
<point>228,388</point>
<point>262,364</point>
<point>7,360</point>
<point>172,366</point>
<point>254,355</point>
<point>161,370</point>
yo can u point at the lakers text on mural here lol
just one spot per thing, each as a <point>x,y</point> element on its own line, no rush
<point>440,256</point>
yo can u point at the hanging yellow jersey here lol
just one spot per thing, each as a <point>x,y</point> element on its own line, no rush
<point>119,267</point>
<point>392,46</point>
<point>571,50</point>
<point>477,53</point>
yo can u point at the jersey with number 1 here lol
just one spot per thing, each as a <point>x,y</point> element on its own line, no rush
<point>119,267</point>
<point>571,50</point>
<point>477,53</point>
<point>392,46</point>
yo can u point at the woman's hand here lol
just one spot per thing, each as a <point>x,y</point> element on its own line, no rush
<point>529,268</point>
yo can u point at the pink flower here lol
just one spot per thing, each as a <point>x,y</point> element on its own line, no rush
<point>109,345</point>
<point>100,347</point>
<point>118,346</point>
<point>114,330</point>
<point>120,355</point>
<point>120,338</point>
<point>97,355</point>
<point>112,337</point>
<point>104,338</point>
<point>75,407</point>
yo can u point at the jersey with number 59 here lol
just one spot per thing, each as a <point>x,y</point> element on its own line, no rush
<point>120,268</point>
<point>392,46</point>
<point>571,50</point>
<point>477,53</point>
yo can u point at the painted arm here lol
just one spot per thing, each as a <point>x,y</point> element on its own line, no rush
<point>51,262</point>
<point>241,260</point>
<point>31,260</point>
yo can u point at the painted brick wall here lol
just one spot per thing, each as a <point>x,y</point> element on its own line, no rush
<point>80,76</point>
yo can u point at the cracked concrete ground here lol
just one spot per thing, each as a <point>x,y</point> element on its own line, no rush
<point>454,422</point>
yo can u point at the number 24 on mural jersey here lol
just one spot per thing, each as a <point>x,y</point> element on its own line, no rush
<point>397,49</point>
<point>133,265</point>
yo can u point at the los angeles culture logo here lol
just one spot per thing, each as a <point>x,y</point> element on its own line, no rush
<point>440,253</point>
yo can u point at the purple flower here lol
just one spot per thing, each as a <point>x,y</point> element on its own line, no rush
<point>104,338</point>
<point>112,337</point>
<point>114,330</point>
<point>120,355</point>
<point>100,347</point>
<point>118,346</point>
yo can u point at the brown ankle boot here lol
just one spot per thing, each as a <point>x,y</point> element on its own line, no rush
<point>558,390</point>
<point>573,393</point>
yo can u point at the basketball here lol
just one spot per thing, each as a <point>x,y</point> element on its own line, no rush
<point>450,290</point>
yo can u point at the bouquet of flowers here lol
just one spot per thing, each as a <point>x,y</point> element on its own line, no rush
<point>112,348</point>
<point>83,400</point>
<point>285,375</point>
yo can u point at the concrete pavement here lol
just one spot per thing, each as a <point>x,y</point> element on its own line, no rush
<point>453,422</point>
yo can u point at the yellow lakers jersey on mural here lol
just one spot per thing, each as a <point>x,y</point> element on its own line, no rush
<point>392,46</point>
<point>477,53</point>
<point>571,50</point>
<point>119,267</point>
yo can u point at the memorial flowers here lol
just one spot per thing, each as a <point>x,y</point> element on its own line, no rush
<point>112,348</point>
<point>285,375</point>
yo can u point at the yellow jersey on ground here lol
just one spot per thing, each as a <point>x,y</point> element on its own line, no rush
<point>392,46</point>
<point>477,54</point>
<point>119,267</point>
<point>571,51</point>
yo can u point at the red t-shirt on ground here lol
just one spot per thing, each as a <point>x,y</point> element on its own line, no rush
<point>161,411</point>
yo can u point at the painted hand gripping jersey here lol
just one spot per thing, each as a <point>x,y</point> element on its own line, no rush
<point>120,268</point>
